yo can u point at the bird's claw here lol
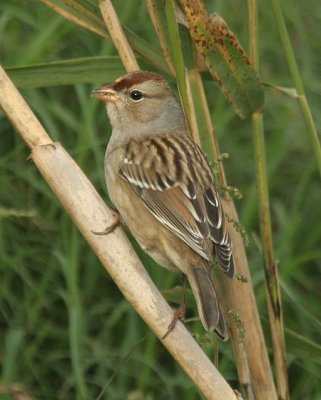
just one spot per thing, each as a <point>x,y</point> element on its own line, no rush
<point>109,229</point>
<point>179,315</point>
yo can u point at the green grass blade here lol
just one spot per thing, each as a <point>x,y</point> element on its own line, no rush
<point>87,15</point>
<point>296,76</point>
<point>178,58</point>
<point>67,72</point>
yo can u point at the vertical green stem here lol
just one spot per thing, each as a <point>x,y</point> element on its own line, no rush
<point>295,73</point>
<point>178,58</point>
<point>270,265</point>
<point>262,186</point>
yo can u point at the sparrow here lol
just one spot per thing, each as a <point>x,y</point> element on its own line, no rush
<point>163,187</point>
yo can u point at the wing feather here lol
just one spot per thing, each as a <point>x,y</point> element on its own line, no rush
<point>174,180</point>
<point>182,223</point>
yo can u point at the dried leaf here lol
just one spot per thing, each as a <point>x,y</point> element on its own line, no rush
<point>225,59</point>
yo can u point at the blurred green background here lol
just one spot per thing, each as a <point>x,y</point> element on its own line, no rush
<point>65,329</point>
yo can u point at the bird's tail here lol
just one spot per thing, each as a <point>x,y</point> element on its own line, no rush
<point>207,303</point>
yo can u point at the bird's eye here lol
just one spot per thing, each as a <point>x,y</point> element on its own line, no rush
<point>136,95</point>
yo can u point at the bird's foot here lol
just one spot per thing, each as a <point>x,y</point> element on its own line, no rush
<point>109,229</point>
<point>179,314</point>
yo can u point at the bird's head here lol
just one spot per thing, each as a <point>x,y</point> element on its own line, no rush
<point>141,99</point>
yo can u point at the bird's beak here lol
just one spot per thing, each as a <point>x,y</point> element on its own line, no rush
<point>105,93</point>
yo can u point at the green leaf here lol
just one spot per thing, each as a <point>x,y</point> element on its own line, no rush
<point>67,72</point>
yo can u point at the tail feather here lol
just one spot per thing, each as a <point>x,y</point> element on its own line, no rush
<point>207,304</point>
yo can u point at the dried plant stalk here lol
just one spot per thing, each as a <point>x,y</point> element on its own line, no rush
<point>118,36</point>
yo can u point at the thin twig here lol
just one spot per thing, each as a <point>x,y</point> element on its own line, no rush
<point>118,367</point>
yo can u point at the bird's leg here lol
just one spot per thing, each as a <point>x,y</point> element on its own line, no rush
<point>109,229</point>
<point>180,311</point>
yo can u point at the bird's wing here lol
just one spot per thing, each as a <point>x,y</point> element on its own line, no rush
<point>172,177</point>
